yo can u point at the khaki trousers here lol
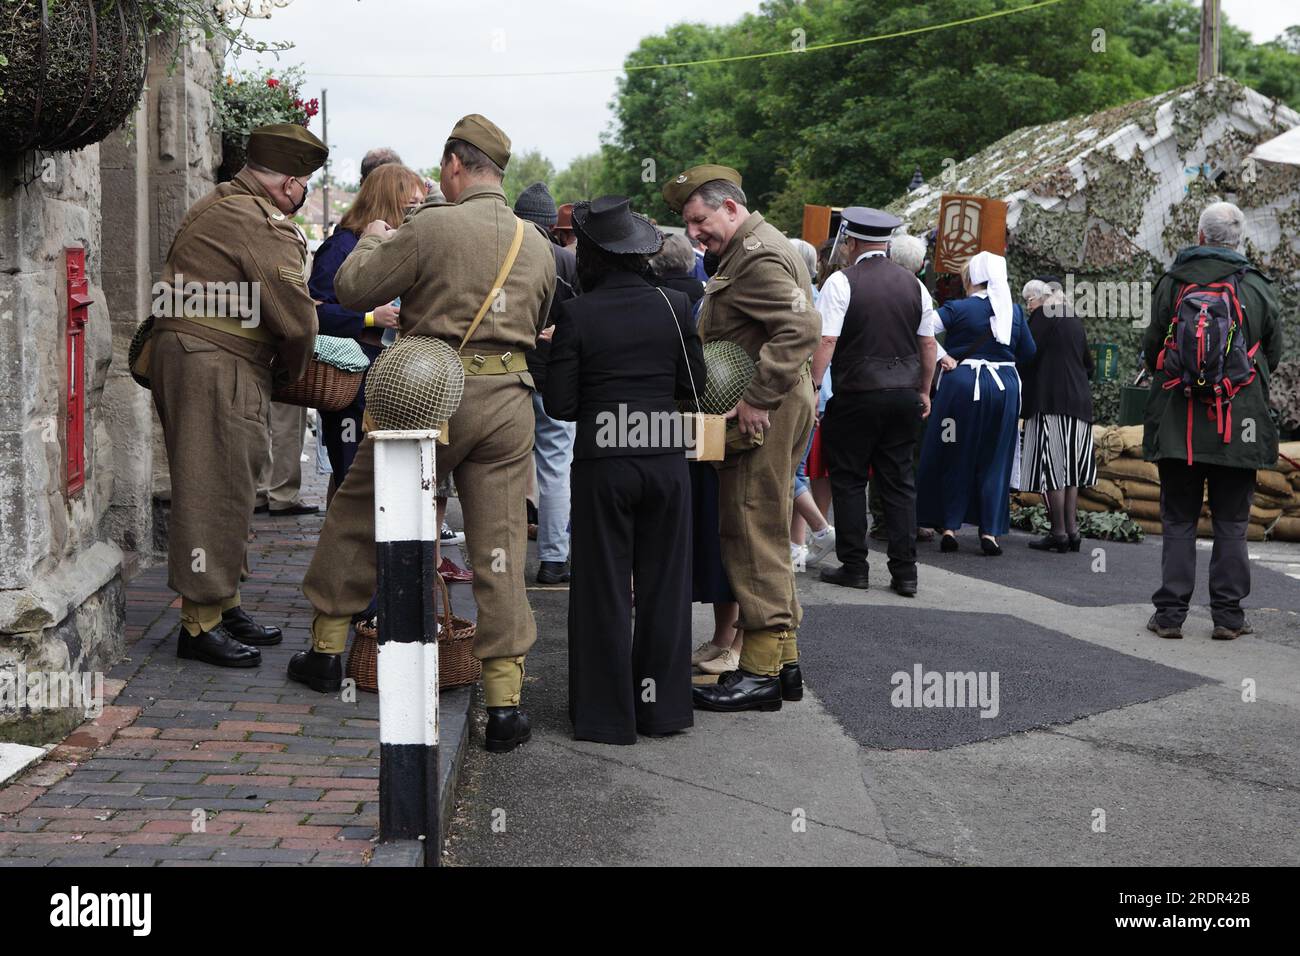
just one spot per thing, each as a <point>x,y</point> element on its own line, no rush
<point>755,501</point>
<point>490,455</point>
<point>213,406</point>
<point>280,480</point>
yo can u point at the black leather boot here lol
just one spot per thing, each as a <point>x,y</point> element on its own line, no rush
<point>553,572</point>
<point>739,690</point>
<point>791,682</point>
<point>247,631</point>
<point>321,672</point>
<point>903,587</point>
<point>507,728</point>
<point>216,647</point>
<point>845,577</point>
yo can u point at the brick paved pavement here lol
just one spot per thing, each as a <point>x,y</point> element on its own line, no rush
<point>198,765</point>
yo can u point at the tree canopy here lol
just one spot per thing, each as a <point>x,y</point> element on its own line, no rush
<point>851,125</point>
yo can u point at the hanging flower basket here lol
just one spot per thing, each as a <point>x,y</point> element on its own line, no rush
<point>250,100</point>
<point>75,70</point>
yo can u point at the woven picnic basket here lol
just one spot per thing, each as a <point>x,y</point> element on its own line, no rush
<point>457,664</point>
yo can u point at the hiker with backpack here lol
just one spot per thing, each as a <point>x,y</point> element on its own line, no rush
<point>1214,339</point>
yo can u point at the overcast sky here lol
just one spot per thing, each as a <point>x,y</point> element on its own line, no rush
<point>563,116</point>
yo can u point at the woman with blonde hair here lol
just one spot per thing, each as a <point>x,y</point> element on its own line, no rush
<point>388,193</point>
<point>970,441</point>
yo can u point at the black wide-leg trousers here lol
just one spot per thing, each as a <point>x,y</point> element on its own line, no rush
<point>631,526</point>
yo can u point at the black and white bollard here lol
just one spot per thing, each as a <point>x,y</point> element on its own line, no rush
<point>406,531</point>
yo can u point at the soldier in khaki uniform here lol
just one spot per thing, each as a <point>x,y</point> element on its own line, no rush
<point>761,298</point>
<point>217,349</point>
<point>443,262</point>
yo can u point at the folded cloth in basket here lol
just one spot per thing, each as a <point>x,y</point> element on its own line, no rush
<point>344,354</point>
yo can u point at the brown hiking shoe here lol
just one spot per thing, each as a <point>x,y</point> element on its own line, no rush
<point>1222,633</point>
<point>1169,633</point>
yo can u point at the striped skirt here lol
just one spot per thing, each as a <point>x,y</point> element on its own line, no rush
<point>1057,454</point>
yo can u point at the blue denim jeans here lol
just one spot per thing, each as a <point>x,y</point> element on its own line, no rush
<point>553,453</point>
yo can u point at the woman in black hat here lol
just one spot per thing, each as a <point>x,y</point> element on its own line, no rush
<point>623,353</point>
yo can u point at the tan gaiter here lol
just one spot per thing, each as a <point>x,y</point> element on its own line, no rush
<point>762,652</point>
<point>503,679</point>
<point>231,602</point>
<point>199,617</point>
<point>790,648</point>
<point>329,635</point>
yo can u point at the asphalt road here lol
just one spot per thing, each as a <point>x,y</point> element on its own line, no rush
<point>1110,745</point>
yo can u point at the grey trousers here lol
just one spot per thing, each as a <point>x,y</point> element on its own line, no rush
<point>280,480</point>
<point>1231,491</point>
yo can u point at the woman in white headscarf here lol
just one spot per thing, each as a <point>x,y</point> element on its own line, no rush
<point>970,441</point>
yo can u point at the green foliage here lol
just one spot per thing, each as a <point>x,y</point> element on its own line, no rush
<point>1108,526</point>
<point>523,170</point>
<point>851,125</point>
<point>190,19</point>
<point>248,101</point>
<point>581,179</point>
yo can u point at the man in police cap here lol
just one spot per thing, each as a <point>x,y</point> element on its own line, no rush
<point>871,316</point>
<point>760,297</point>
<point>238,322</point>
<point>443,262</point>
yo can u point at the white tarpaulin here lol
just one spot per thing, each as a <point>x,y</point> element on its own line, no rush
<point>1280,149</point>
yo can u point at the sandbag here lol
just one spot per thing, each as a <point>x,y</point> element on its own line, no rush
<point>1105,491</point>
<point>1265,515</point>
<point>1138,508</point>
<point>1143,490</point>
<point>1291,450</point>
<point>1286,528</point>
<point>1099,507</point>
<point>1131,436</point>
<point>1273,483</point>
<point>1149,526</point>
<point>1122,468</point>
<point>1107,443</point>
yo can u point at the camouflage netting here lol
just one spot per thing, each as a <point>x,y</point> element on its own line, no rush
<point>1113,196</point>
<point>71,78</point>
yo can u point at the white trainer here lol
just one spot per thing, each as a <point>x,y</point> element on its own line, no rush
<point>724,663</point>
<point>706,652</point>
<point>821,545</point>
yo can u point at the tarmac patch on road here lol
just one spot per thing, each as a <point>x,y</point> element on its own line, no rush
<point>903,678</point>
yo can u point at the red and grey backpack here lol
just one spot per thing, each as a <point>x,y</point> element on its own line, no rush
<point>1205,351</point>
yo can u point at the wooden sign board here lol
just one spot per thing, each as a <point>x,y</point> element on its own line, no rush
<point>967,225</point>
<point>818,223</point>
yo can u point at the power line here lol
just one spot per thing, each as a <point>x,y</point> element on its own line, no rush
<point>723,59</point>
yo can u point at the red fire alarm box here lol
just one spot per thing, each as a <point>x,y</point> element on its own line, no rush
<point>74,434</point>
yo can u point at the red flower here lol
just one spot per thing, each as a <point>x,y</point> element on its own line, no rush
<point>272,82</point>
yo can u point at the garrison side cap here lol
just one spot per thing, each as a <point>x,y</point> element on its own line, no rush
<point>287,148</point>
<point>479,131</point>
<point>678,190</point>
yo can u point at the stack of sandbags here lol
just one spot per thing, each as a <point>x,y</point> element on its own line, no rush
<point>1279,488</point>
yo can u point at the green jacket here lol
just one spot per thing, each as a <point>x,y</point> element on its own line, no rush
<point>1254,434</point>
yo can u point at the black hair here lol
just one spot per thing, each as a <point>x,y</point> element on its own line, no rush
<point>595,262</point>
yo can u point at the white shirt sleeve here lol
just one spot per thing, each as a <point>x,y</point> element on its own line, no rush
<point>832,303</point>
<point>931,323</point>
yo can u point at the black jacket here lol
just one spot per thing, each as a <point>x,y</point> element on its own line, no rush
<point>616,359</point>
<point>1056,379</point>
<point>690,285</point>
<point>566,287</point>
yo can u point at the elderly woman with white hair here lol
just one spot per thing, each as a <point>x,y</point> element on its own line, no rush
<point>970,441</point>
<point>1057,457</point>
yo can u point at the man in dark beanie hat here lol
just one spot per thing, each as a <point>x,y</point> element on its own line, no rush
<point>447,261</point>
<point>238,243</point>
<point>552,439</point>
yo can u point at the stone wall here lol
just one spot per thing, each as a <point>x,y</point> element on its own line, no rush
<point>64,558</point>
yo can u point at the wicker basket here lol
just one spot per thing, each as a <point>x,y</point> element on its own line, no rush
<point>457,664</point>
<point>323,387</point>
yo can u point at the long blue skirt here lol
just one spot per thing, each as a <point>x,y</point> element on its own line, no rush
<point>967,452</point>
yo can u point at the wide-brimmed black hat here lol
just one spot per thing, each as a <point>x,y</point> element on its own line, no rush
<point>610,223</point>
